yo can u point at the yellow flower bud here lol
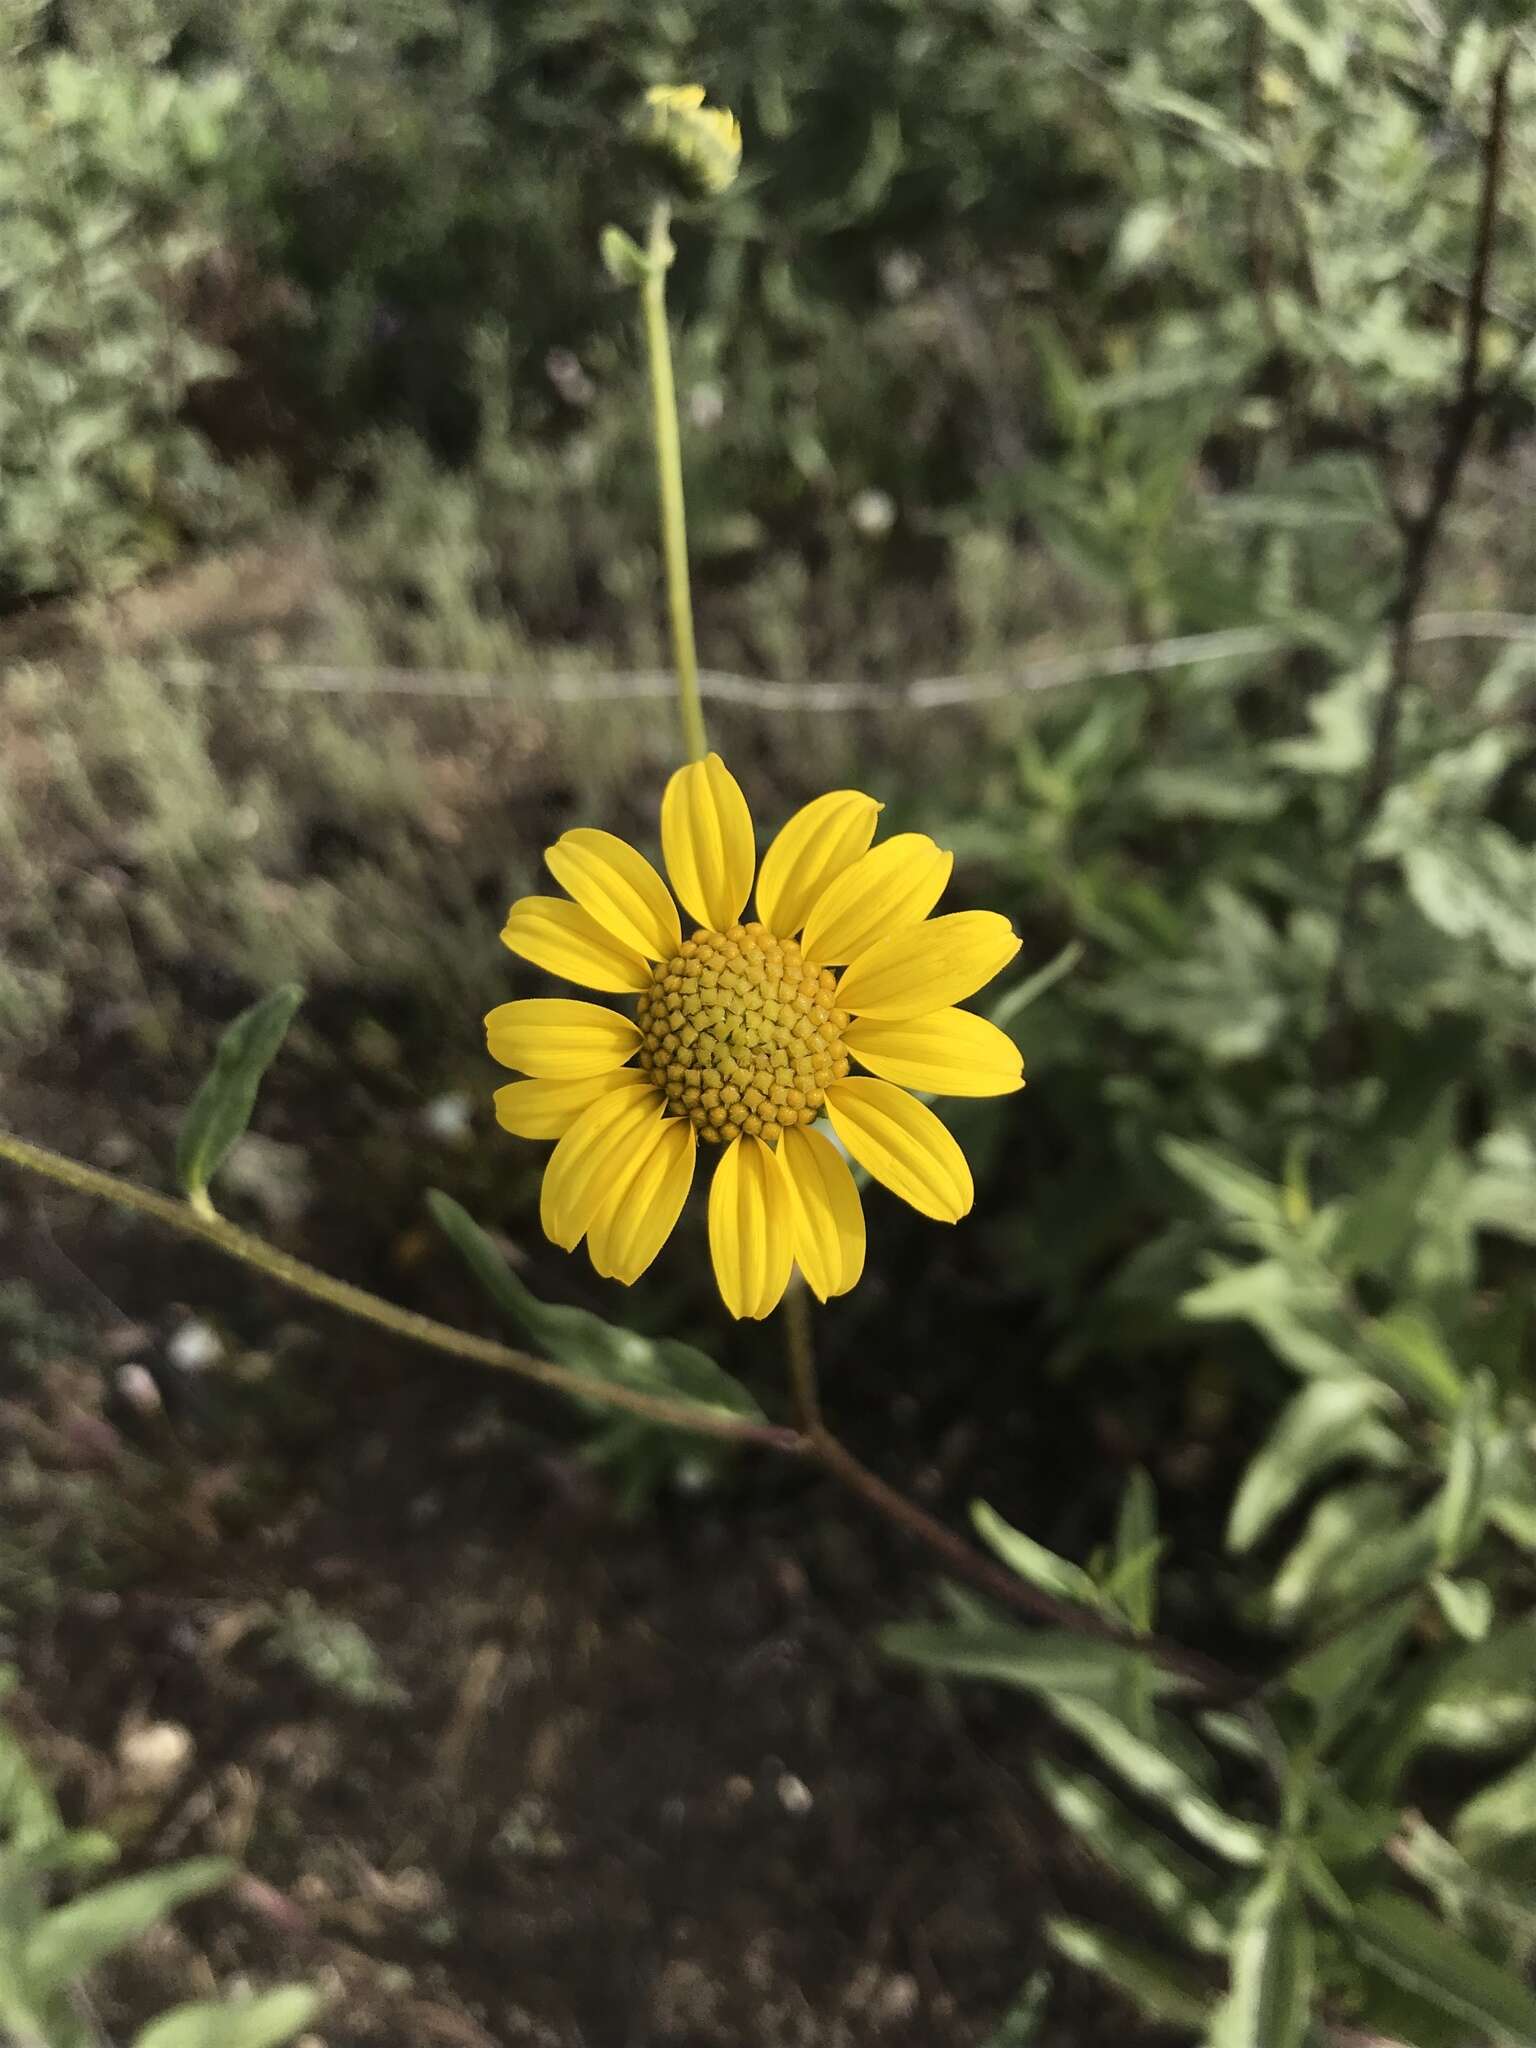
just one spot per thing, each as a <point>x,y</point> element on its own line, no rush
<point>703,142</point>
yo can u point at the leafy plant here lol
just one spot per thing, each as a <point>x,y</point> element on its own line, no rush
<point>48,1950</point>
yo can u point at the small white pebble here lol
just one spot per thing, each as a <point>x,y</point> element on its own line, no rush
<point>153,1755</point>
<point>137,1386</point>
<point>795,1795</point>
<point>897,1998</point>
<point>195,1346</point>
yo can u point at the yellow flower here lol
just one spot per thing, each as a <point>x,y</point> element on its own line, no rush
<point>744,1035</point>
<point>703,142</point>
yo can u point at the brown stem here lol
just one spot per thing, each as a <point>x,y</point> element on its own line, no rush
<point>958,1556</point>
<point>1422,534</point>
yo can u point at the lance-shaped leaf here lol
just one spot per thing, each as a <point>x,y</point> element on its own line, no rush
<point>1171,1881</point>
<point>221,1109</point>
<point>1416,1950</point>
<point>583,1341</point>
<point>1326,1423</point>
<point>265,2022</point>
<point>75,1938</point>
<point>1272,1966</point>
<point>1054,1663</point>
<point>1462,1506</point>
<point>1167,1993</point>
<point>1504,1811</point>
<point>1032,1561</point>
<point>1148,1768</point>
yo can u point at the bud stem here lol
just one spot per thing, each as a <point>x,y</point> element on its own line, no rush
<point>669,484</point>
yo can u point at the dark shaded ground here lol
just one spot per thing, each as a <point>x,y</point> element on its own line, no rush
<point>647,1782</point>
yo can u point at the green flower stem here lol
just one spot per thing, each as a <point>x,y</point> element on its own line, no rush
<point>369,1308</point>
<point>669,484</point>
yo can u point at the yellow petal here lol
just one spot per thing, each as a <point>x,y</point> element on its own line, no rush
<point>632,1227</point>
<point>706,840</point>
<point>751,1228</point>
<point>902,1143</point>
<point>946,1052</point>
<point>928,966</point>
<point>619,887</point>
<point>891,887</point>
<point>595,1161</point>
<point>563,938</point>
<point>828,1216</point>
<point>547,1109</point>
<point>559,1039</point>
<point>811,851</point>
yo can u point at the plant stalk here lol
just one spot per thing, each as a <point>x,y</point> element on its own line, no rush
<point>669,484</point>
<point>385,1315</point>
<point>1422,532</point>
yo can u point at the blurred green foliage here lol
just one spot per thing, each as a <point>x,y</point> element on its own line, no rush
<point>49,1950</point>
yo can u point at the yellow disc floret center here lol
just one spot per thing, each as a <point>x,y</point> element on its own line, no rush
<point>741,1033</point>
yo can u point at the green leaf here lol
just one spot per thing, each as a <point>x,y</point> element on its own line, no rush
<point>1055,1575</point>
<point>1328,1422</point>
<point>1235,1189</point>
<point>1020,2027</point>
<point>265,2022</point>
<point>623,258</point>
<point>1137,1548</point>
<point>1342,1676</point>
<point>1270,2002</point>
<point>1415,1950</point>
<point>1325,54</point>
<point>1351,1548</point>
<point>1462,1506</point>
<point>1183,1891</point>
<point>1467,1605</point>
<point>1474,1697</point>
<point>1381,1220</point>
<point>1463,1893</point>
<point>1168,1994</point>
<point>1502,1812</point>
<point>1299,1316</point>
<point>1148,1768</point>
<point>1018,1000</point>
<point>75,1938</point>
<point>1054,1663</point>
<point>1475,880</point>
<point>221,1109</point>
<point>576,1338</point>
<point>1414,1357</point>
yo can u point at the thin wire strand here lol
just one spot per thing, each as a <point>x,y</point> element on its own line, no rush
<point>1047,672</point>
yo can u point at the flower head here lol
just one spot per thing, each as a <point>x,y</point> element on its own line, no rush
<point>702,142</point>
<point>745,1034</point>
